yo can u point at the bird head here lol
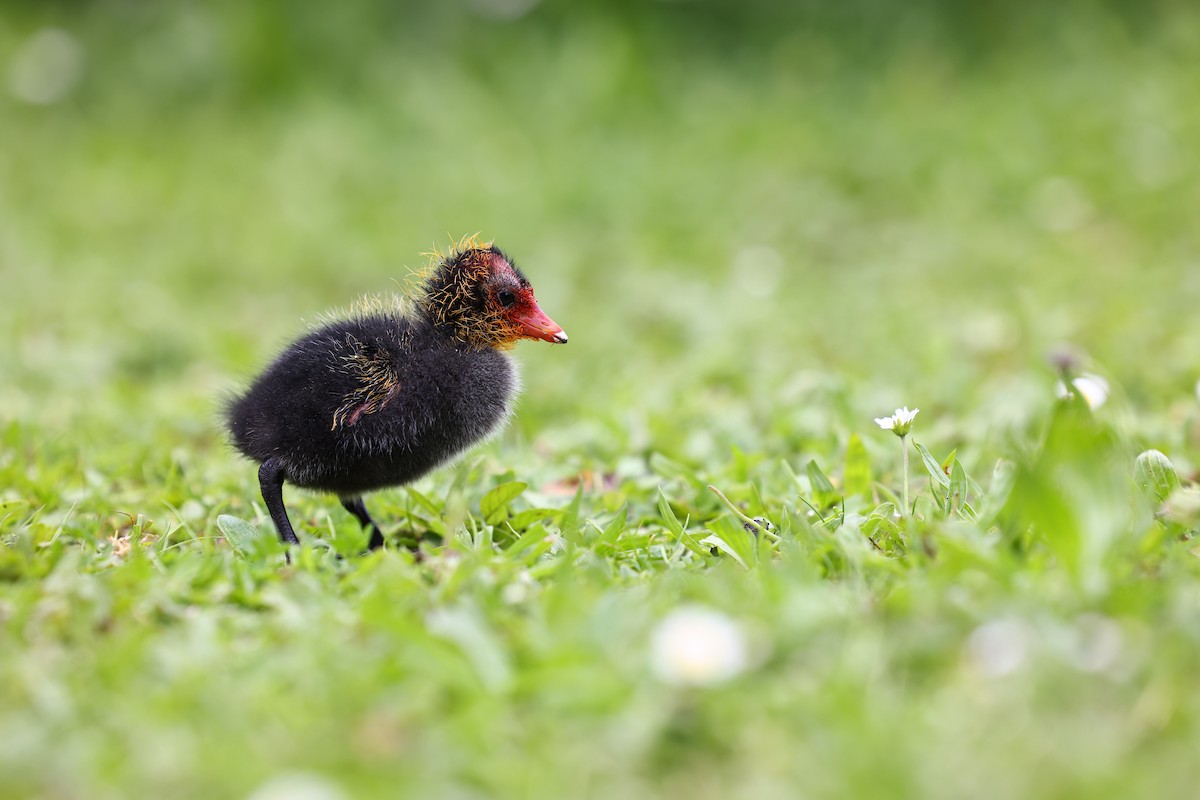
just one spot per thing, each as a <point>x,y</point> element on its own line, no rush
<point>480,297</point>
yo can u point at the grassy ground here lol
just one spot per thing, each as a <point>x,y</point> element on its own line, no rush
<point>757,247</point>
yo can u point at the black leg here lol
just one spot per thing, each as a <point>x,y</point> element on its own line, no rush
<point>358,508</point>
<point>270,480</point>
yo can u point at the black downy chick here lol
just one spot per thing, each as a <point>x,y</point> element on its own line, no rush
<point>383,397</point>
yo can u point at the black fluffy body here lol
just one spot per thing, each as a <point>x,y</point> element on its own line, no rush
<point>374,401</point>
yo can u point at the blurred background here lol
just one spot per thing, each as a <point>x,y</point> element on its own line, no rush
<point>761,223</point>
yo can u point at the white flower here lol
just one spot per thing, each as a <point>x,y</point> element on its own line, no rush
<point>298,786</point>
<point>696,646</point>
<point>899,423</point>
<point>1092,388</point>
<point>520,589</point>
<point>46,67</point>
<point>1097,644</point>
<point>999,647</point>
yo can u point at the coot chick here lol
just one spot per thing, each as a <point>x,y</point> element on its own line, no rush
<point>383,397</point>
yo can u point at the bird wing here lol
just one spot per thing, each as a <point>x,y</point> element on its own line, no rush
<point>377,383</point>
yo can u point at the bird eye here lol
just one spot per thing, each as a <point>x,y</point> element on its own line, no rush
<point>506,297</point>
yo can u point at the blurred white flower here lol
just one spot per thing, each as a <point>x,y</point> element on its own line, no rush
<point>999,647</point>
<point>46,67</point>
<point>298,786</point>
<point>1097,643</point>
<point>763,262</point>
<point>520,589</point>
<point>899,423</point>
<point>697,646</point>
<point>1060,205</point>
<point>503,9</point>
<point>1092,388</point>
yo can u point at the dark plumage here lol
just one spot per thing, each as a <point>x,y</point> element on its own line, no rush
<point>383,397</point>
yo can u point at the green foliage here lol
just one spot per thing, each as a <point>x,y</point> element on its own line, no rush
<point>1155,474</point>
<point>762,227</point>
<point>823,492</point>
<point>857,476</point>
<point>494,505</point>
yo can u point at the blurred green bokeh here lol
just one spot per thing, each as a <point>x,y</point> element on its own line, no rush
<point>928,198</point>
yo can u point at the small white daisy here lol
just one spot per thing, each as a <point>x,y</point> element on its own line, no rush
<point>899,423</point>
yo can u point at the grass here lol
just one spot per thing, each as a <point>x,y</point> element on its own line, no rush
<point>756,249</point>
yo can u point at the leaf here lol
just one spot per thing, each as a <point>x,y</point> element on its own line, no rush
<point>676,527</point>
<point>933,467</point>
<point>668,516</point>
<point>1072,494</point>
<point>523,519</point>
<point>245,538</point>
<point>1003,477</point>
<point>788,468</point>
<point>856,478</point>
<point>424,502</point>
<point>537,540</point>
<point>482,646</point>
<point>729,536</point>
<point>717,543</point>
<point>668,468</point>
<point>494,505</point>
<point>823,491</point>
<point>614,529</point>
<point>881,525</point>
<point>1155,474</point>
<point>958,485</point>
<point>570,523</point>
